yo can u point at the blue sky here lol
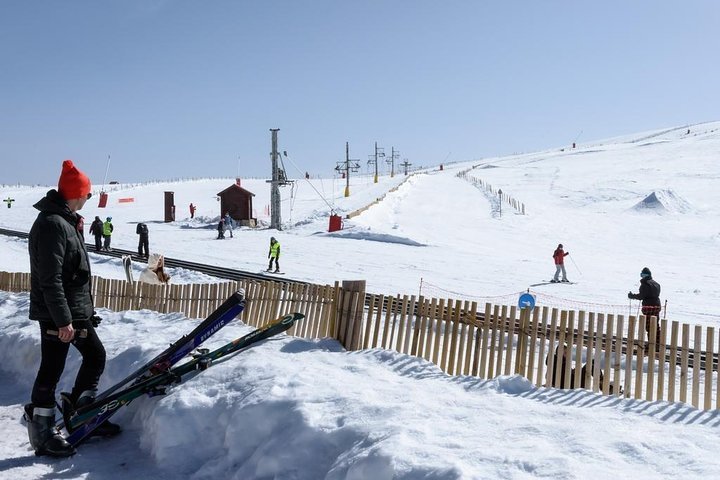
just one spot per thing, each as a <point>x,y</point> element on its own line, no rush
<point>188,88</point>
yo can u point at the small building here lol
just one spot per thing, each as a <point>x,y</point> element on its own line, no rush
<point>238,202</point>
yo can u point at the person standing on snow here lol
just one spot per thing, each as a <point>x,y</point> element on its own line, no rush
<point>96,229</point>
<point>274,254</point>
<point>649,295</point>
<point>559,256</point>
<point>221,228</point>
<point>60,300</point>
<point>107,233</point>
<point>229,224</point>
<point>142,231</point>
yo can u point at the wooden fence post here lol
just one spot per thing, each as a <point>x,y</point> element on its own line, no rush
<point>349,308</point>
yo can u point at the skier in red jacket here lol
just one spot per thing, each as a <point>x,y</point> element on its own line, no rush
<point>559,256</point>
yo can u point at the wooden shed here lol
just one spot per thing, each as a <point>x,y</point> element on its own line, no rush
<point>238,202</point>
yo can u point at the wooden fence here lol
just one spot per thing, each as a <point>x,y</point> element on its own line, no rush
<point>461,337</point>
<point>503,340</point>
<point>264,300</point>
<point>503,197</point>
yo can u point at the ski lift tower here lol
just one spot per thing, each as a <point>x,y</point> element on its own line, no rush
<point>279,179</point>
<point>349,165</point>
<point>391,161</point>
<point>373,160</point>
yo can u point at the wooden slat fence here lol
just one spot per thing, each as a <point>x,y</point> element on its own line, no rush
<point>465,339</point>
<point>461,337</point>
<point>265,300</point>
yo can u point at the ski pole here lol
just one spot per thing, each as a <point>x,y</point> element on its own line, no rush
<point>571,259</point>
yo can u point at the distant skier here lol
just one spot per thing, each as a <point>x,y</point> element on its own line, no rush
<point>559,256</point>
<point>221,228</point>
<point>229,224</point>
<point>274,254</point>
<point>107,233</point>
<point>649,294</point>
<point>142,230</point>
<point>192,210</point>
<point>96,230</point>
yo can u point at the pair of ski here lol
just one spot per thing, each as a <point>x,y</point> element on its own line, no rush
<point>550,282</point>
<point>158,374</point>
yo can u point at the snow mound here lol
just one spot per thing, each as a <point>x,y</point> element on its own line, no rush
<point>662,202</point>
<point>377,237</point>
<point>513,384</point>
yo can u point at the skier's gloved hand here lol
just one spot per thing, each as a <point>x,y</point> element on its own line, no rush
<point>95,320</point>
<point>630,295</point>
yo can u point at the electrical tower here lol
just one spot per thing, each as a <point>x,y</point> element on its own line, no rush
<point>346,167</point>
<point>373,160</point>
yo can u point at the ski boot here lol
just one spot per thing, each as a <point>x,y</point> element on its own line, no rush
<point>45,438</point>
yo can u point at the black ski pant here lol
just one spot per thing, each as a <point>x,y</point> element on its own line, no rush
<point>143,245</point>
<point>98,243</point>
<point>277,265</point>
<point>54,353</point>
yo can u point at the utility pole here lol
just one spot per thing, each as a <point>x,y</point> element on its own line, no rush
<point>374,160</point>
<point>395,154</point>
<point>347,167</point>
<point>275,221</point>
<point>405,165</point>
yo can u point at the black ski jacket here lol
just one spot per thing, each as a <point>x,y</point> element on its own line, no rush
<point>649,293</point>
<point>96,228</point>
<point>59,266</point>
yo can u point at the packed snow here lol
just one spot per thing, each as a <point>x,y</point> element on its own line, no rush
<point>306,409</point>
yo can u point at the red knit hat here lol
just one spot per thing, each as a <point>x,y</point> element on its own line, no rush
<point>73,183</point>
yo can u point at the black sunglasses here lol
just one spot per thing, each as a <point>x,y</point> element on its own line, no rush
<point>89,195</point>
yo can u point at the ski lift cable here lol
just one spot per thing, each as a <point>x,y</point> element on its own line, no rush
<point>293,196</point>
<point>107,168</point>
<point>313,186</point>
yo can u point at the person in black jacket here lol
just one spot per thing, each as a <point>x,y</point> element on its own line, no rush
<point>61,302</point>
<point>96,229</point>
<point>142,230</point>
<point>649,294</point>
